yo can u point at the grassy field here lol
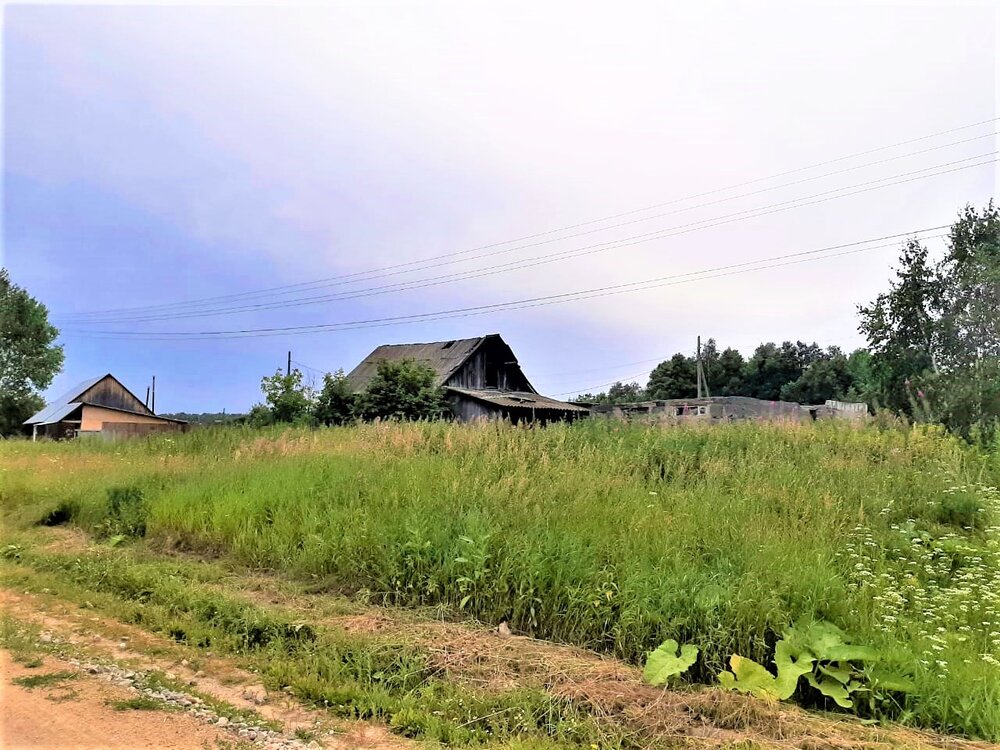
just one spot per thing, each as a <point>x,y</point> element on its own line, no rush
<point>602,535</point>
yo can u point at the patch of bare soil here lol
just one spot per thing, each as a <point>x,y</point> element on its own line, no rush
<point>211,676</point>
<point>75,714</point>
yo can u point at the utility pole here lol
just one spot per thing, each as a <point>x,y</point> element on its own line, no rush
<point>288,371</point>
<point>147,397</point>
<point>700,374</point>
<point>152,408</point>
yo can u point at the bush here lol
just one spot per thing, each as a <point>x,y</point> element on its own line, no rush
<point>403,390</point>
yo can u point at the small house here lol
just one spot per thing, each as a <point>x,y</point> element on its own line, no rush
<point>480,376</point>
<point>102,407</point>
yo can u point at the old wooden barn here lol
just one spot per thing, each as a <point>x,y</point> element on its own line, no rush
<point>101,406</point>
<point>480,376</point>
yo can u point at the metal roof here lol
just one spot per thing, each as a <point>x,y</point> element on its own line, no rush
<point>518,400</point>
<point>56,413</point>
<point>444,357</point>
<point>56,406</point>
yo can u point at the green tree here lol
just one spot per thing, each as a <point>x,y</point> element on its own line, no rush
<point>335,403</point>
<point>619,393</point>
<point>772,367</point>
<point>935,335</point>
<point>723,371</point>
<point>903,330</point>
<point>402,389</point>
<point>287,398</point>
<point>29,357</point>
<point>674,378</point>
<point>828,377</point>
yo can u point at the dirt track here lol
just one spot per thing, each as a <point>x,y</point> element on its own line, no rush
<point>75,714</point>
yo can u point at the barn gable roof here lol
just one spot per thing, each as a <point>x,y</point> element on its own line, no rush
<point>56,409</point>
<point>443,357</point>
<point>59,408</point>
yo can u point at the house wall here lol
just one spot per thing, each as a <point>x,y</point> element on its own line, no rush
<point>109,392</point>
<point>94,417</point>
<point>125,430</point>
<point>493,365</point>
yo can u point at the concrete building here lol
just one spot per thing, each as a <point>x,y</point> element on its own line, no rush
<point>730,409</point>
<point>102,407</point>
<point>480,376</point>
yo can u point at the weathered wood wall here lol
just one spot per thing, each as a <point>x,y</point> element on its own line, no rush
<point>493,365</point>
<point>109,392</point>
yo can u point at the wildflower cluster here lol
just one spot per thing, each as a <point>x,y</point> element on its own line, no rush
<point>930,582</point>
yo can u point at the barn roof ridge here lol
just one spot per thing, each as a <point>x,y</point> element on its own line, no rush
<point>443,357</point>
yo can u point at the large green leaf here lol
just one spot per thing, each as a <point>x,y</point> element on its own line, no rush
<point>840,672</point>
<point>832,689</point>
<point>884,680</point>
<point>749,677</point>
<point>664,662</point>
<point>791,665</point>
<point>827,642</point>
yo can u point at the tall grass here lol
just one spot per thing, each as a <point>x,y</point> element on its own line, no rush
<point>609,536</point>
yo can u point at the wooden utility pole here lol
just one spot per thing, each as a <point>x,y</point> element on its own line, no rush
<point>147,397</point>
<point>152,407</point>
<point>700,374</point>
<point>288,370</point>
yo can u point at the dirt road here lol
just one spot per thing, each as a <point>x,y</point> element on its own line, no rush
<point>76,713</point>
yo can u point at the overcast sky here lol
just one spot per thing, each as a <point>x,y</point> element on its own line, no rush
<point>162,154</point>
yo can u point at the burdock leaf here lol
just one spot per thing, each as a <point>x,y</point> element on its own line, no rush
<point>664,662</point>
<point>831,689</point>
<point>749,677</point>
<point>791,666</point>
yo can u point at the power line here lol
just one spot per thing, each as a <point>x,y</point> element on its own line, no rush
<point>671,280</point>
<point>590,388</point>
<point>420,263</point>
<point>575,252</point>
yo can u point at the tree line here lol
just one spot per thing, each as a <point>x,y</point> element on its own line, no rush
<point>805,373</point>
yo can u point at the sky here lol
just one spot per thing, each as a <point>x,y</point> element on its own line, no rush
<point>156,155</point>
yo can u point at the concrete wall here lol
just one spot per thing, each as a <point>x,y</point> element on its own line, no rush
<point>712,409</point>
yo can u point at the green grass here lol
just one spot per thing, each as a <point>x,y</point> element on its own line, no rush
<point>140,703</point>
<point>48,679</point>
<point>609,536</point>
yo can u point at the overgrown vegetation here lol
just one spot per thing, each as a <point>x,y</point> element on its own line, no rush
<point>609,536</point>
<point>399,390</point>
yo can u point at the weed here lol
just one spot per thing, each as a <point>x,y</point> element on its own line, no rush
<point>49,679</point>
<point>139,703</point>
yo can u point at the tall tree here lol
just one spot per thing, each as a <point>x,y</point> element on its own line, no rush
<point>936,332</point>
<point>286,396</point>
<point>29,356</point>
<point>826,377</point>
<point>674,378</point>
<point>772,367</point>
<point>903,328</point>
